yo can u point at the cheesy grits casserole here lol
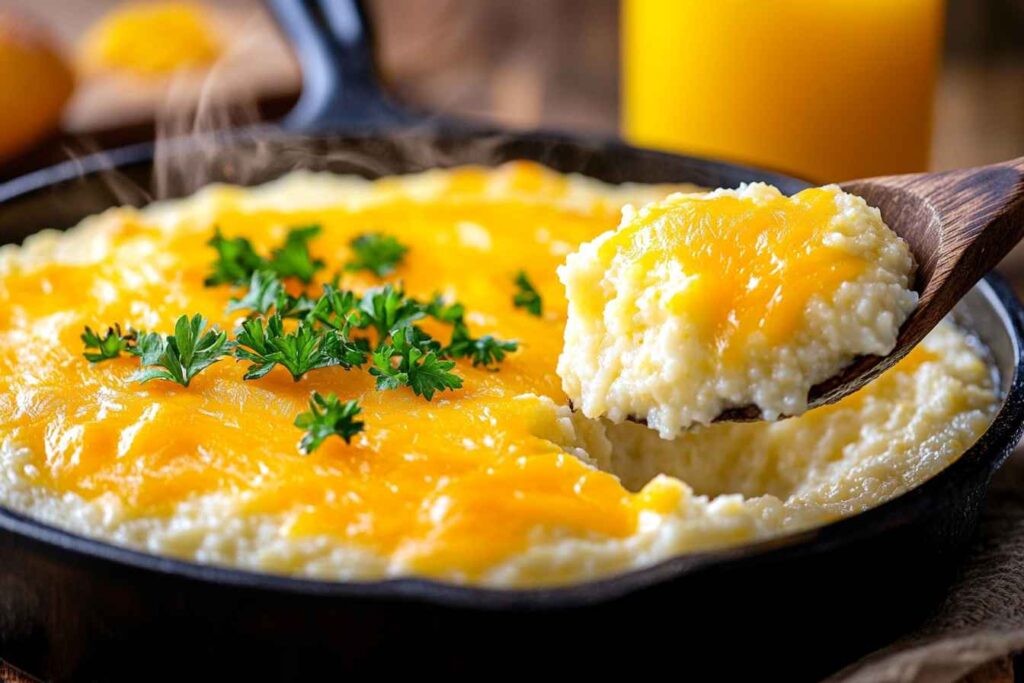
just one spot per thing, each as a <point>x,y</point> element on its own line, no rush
<point>348,379</point>
<point>704,302</point>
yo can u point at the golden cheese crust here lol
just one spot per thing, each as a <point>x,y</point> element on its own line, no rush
<point>709,301</point>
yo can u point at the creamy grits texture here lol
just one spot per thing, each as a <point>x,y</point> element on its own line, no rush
<point>498,483</point>
<point>703,302</point>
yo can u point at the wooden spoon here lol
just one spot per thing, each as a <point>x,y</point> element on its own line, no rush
<point>959,225</point>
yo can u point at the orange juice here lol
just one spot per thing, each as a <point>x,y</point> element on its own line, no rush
<point>829,89</point>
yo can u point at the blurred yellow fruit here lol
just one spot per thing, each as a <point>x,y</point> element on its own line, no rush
<point>151,39</point>
<point>35,82</point>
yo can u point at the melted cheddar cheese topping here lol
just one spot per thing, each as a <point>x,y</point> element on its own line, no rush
<point>750,267</point>
<point>456,483</point>
<point>703,302</point>
<point>496,483</point>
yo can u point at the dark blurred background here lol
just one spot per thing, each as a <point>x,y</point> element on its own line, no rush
<point>522,63</point>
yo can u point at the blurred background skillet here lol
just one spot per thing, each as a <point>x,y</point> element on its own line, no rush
<point>72,608</point>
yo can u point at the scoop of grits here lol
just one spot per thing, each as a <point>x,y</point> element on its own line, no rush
<point>497,483</point>
<point>703,302</point>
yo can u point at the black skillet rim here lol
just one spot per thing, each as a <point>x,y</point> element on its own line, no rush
<point>991,449</point>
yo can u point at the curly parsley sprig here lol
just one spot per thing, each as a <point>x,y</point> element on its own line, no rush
<point>409,360</point>
<point>181,356</point>
<point>303,333</point>
<point>527,296</point>
<point>387,309</point>
<point>237,259</point>
<point>486,350</point>
<point>111,345</point>
<point>378,253</point>
<point>292,259</point>
<point>326,417</point>
<point>299,351</point>
<point>266,292</point>
<point>335,308</point>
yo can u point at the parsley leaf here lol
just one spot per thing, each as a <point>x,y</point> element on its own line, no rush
<point>292,259</point>
<point>484,351</point>
<point>403,355</point>
<point>181,356</point>
<point>266,291</point>
<point>299,351</point>
<point>429,374</point>
<point>446,313</point>
<point>414,336</point>
<point>389,375</point>
<point>335,307</point>
<point>527,297</point>
<point>263,293</point>
<point>378,253</point>
<point>236,260</point>
<point>404,362</point>
<point>346,352</point>
<point>327,416</point>
<point>111,345</point>
<point>386,309</point>
<point>294,306</point>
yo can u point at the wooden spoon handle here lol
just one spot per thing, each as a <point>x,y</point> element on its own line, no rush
<point>959,225</point>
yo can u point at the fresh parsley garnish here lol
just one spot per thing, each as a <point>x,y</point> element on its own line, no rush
<point>452,313</point>
<point>237,260</point>
<point>413,335</point>
<point>405,362</point>
<point>527,297</point>
<point>321,334</point>
<point>303,349</point>
<point>183,355</point>
<point>486,350</point>
<point>335,308</point>
<point>388,374</point>
<point>387,309</point>
<point>266,292</point>
<point>327,416</point>
<point>380,254</point>
<point>428,373</point>
<point>265,288</point>
<point>111,345</point>
<point>292,259</point>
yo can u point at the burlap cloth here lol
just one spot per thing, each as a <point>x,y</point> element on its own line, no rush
<point>982,617</point>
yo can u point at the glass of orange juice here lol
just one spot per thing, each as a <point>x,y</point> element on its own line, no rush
<point>827,89</point>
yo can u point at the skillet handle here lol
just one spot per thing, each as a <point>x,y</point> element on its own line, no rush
<point>340,86</point>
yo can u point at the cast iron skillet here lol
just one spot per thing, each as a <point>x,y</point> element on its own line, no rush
<point>797,607</point>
